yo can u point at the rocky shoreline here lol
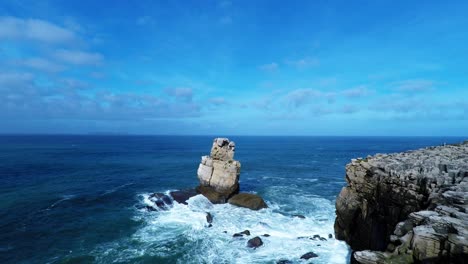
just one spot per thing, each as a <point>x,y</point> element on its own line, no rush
<point>218,175</point>
<point>408,207</point>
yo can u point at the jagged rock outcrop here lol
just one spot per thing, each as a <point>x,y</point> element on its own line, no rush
<point>219,173</point>
<point>407,207</point>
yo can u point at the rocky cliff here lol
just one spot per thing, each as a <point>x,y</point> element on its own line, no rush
<point>407,207</point>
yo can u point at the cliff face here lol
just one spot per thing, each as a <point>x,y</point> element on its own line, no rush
<point>407,207</point>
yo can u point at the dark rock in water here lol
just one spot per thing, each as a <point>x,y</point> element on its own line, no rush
<point>284,261</point>
<point>209,218</point>
<point>303,237</point>
<point>299,216</point>
<point>309,255</point>
<point>330,236</point>
<point>161,200</point>
<point>248,200</point>
<point>318,237</point>
<point>150,208</point>
<point>266,235</point>
<point>254,242</point>
<point>245,232</point>
<point>415,199</point>
<point>210,225</point>
<point>225,232</point>
<point>212,195</point>
<point>183,195</point>
<point>159,203</point>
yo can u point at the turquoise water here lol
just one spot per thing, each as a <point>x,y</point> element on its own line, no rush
<point>78,199</point>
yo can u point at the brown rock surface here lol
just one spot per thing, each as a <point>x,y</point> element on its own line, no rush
<point>248,200</point>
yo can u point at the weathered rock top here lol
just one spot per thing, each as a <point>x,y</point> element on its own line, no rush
<point>408,206</point>
<point>222,149</point>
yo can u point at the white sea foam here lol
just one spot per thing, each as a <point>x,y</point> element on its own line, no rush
<point>182,233</point>
<point>64,198</point>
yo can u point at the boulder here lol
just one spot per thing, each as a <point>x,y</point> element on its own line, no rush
<point>183,195</point>
<point>248,200</point>
<point>255,242</point>
<point>212,195</point>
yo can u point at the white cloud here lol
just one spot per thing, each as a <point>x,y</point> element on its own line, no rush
<point>145,20</point>
<point>416,85</point>
<point>226,20</point>
<point>270,67</point>
<point>181,93</point>
<point>40,64</point>
<point>218,101</point>
<point>359,91</point>
<point>225,4</point>
<point>34,29</point>
<point>301,97</point>
<point>77,57</point>
<point>304,62</point>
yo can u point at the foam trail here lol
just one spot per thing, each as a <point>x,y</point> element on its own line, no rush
<point>182,233</point>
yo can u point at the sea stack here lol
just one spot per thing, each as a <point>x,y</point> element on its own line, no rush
<point>219,173</point>
<point>407,207</point>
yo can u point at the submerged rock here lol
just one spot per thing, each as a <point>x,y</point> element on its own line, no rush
<point>240,234</point>
<point>248,200</point>
<point>183,195</point>
<point>309,255</point>
<point>284,261</point>
<point>299,216</point>
<point>161,201</point>
<point>255,242</point>
<point>407,207</point>
<point>209,218</point>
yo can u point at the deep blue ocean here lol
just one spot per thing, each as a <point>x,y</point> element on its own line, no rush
<point>78,199</point>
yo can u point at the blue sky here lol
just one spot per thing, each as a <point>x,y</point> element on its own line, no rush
<point>234,67</point>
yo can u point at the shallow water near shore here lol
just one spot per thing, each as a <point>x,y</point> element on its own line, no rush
<point>77,199</point>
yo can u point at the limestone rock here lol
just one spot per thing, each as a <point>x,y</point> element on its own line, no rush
<point>223,149</point>
<point>407,207</point>
<point>248,200</point>
<point>220,171</point>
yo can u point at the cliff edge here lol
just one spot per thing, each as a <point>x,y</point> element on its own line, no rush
<point>408,207</point>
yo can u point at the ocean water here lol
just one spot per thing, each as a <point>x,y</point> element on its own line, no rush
<point>78,199</point>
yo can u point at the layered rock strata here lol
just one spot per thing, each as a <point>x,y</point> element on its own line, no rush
<point>219,173</point>
<point>407,207</point>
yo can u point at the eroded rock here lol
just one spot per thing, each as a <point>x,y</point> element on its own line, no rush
<point>407,207</point>
<point>219,172</point>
